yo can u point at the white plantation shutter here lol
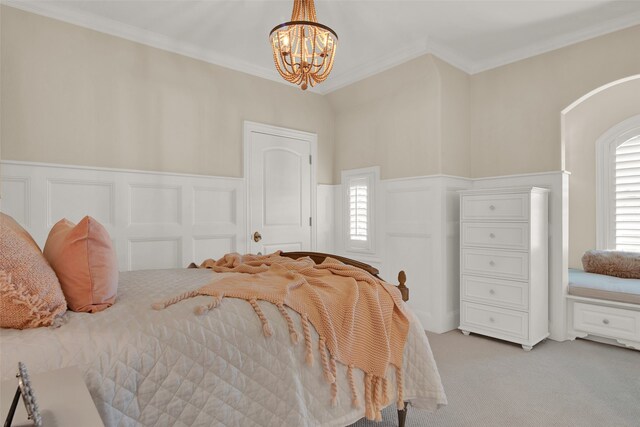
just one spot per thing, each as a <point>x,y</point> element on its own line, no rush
<point>359,201</point>
<point>627,195</point>
<point>358,209</point>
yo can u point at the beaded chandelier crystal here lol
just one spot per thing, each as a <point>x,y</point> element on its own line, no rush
<point>303,49</point>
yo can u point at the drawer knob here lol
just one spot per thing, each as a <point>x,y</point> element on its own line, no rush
<point>491,319</point>
<point>493,208</point>
<point>605,321</point>
<point>491,263</point>
<point>493,236</point>
<point>492,292</point>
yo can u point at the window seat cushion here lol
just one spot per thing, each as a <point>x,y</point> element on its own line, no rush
<point>599,286</point>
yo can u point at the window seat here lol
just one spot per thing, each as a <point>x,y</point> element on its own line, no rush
<point>599,286</point>
<point>604,308</point>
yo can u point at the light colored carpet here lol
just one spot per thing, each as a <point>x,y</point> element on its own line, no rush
<point>493,383</point>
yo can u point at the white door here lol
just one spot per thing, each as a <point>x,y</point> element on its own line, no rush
<point>279,182</point>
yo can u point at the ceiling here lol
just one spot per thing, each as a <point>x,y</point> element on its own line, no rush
<point>474,35</point>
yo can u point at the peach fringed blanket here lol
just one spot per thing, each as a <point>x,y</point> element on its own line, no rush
<point>359,318</point>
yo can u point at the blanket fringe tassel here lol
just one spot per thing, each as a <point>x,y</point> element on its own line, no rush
<point>368,403</point>
<point>334,384</point>
<point>266,326</point>
<point>170,301</point>
<point>292,329</point>
<point>307,340</point>
<point>355,402</point>
<point>326,368</point>
<point>376,396</point>
<point>203,309</point>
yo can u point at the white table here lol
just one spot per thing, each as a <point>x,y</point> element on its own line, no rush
<point>62,397</point>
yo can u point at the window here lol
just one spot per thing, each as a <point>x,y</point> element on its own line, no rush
<point>618,196</point>
<point>359,201</point>
<point>627,195</point>
<point>358,209</point>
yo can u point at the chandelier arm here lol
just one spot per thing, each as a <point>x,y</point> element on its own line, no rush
<point>282,69</point>
<point>292,67</point>
<point>286,61</point>
<point>323,76</point>
<point>282,72</point>
<point>327,71</point>
<point>278,59</point>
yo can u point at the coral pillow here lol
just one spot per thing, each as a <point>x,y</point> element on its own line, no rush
<point>84,259</point>
<point>30,292</point>
<point>612,263</point>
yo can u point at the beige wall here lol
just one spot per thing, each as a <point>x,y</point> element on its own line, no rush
<point>456,114</point>
<point>411,120</point>
<point>75,96</point>
<point>515,109</point>
<point>391,119</point>
<point>584,124</point>
<point>427,117</point>
<point>72,95</point>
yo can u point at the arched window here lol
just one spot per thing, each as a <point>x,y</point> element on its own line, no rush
<point>618,187</point>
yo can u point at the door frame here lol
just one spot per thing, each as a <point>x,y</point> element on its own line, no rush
<point>312,138</point>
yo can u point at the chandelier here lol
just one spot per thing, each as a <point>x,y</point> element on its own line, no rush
<point>303,49</point>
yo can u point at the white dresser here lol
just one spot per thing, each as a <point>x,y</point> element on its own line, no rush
<point>503,264</point>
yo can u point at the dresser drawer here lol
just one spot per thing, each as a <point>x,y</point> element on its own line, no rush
<point>494,319</point>
<point>495,207</point>
<point>513,265</point>
<point>504,293</point>
<point>606,321</point>
<point>487,234</point>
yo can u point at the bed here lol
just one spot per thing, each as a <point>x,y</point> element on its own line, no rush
<point>171,367</point>
<point>604,307</point>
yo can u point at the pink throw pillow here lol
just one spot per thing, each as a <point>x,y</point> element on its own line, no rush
<point>85,262</point>
<point>30,294</point>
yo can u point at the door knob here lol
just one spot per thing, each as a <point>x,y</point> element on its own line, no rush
<point>257,237</point>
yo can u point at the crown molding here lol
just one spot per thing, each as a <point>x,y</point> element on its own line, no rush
<point>336,81</point>
<point>596,30</point>
<point>370,68</point>
<point>148,38</point>
<point>400,56</point>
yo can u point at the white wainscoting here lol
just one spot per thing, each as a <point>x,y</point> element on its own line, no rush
<point>421,229</point>
<point>164,220</point>
<point>325,208</point>
<point>418,231</point>
<point>156,220</point>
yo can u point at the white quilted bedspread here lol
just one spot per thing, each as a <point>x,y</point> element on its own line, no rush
<point>174,368</point>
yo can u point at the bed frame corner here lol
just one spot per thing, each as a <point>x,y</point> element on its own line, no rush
<point>404,291</point>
